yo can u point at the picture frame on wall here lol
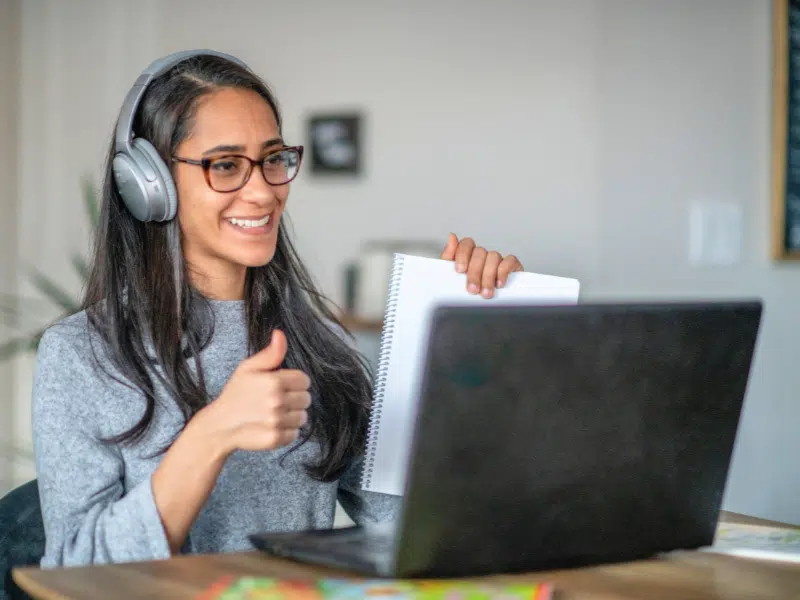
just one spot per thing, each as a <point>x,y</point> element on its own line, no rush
<point>785,238</point>
<point>335,143</point>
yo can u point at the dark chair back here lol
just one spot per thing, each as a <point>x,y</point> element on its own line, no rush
<point>21,536</point>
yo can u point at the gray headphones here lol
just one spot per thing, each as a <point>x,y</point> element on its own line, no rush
<point>142,178</point>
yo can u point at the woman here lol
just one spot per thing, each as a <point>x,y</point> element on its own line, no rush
<point>205,392</point>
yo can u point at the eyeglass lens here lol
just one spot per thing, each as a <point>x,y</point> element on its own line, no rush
<point>228,173</point>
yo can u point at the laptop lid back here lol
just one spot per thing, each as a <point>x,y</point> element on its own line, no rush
<point>561,436</point>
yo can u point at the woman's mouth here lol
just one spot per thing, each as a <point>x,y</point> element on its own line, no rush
<point>252,226</point>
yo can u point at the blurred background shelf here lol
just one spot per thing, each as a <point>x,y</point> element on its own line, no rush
<point>367,336</point>
<point>357,324</point>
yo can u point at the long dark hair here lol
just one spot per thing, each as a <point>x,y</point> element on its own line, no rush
<point>153,323</point>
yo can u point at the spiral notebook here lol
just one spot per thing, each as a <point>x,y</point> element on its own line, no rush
<point>417,285</point>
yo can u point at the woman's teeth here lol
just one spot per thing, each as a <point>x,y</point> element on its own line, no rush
<point>249,223</point>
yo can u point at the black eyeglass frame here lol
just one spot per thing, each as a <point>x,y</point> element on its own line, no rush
<point>206,164</point>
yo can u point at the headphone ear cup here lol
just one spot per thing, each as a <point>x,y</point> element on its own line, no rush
<point>163,197</point>
<point>145,183</point>
<point>131,185</point>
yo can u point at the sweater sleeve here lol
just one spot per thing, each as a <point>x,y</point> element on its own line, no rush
<point>365,508</point>
<point>88,516</point>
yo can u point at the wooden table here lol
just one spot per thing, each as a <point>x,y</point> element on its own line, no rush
<point>684,575</point>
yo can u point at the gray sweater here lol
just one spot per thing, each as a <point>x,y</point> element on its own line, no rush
<point>97,499</point>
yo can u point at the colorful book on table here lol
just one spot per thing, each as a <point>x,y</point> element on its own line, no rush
<point>268,588</point>
<point>757,541</point>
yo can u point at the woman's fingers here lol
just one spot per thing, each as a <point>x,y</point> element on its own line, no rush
<point>475,270</point>
<point>449,252</point>
<point>508,265</point>
<point>464,254</point>
<point>294,419</point>
<point>489,276</point>
<point>296,400</point>
<point>486,270</point>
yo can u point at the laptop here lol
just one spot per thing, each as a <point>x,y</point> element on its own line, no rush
<point>559,436</point>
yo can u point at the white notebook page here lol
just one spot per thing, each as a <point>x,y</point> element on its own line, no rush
<point>419,285</point>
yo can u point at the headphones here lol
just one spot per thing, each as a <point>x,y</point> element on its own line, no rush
<point>142,178</point>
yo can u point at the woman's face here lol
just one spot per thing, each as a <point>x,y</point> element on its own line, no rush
<point>225,232</point>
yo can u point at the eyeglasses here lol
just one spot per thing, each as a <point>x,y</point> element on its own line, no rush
<point>232,172</point>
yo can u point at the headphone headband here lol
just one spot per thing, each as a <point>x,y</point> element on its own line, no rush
<point>142,178</point>
<point>124,131</point>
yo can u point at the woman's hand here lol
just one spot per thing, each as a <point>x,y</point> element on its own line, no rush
<point>485,269</point>
<point>262,407</point>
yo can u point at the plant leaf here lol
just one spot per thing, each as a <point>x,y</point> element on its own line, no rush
<point>53,292</point>
<point>16,346</point>
<point>90,200</point>
<point>10,311</point>
<point>81,266</point>
<point>33,341</point>
<point>10,320</point>
<point>19,316</point>
<point>19,305</point>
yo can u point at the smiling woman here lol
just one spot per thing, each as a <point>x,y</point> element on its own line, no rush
<point>206,391</point>
<point>230,220</point>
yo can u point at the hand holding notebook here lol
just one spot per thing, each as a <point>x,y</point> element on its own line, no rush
<point>416,286</point>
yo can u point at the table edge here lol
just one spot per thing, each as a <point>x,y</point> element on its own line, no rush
<point>32,587</point>
<point>21,575</point>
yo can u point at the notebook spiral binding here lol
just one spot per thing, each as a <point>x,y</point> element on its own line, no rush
<point>383,367</point>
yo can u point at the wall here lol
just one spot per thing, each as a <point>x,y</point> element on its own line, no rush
<point>575,134</point>
<point>685,116</point>
<point>9,69</point>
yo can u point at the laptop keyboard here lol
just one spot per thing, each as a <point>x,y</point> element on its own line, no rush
<point>365,544</point>
<point>353,542</point>
<point>371,550</point>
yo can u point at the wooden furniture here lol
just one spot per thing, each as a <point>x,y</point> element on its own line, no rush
<point>356,324</point>
<point>680,575</point>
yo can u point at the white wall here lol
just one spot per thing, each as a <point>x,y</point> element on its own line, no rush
<point>9,56</point>
<point>685,115</point>
<point>574,134</point>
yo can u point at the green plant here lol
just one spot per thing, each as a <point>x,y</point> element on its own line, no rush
<point>18,313</point>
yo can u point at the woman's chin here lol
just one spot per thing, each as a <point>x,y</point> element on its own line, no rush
<point>254,259</point>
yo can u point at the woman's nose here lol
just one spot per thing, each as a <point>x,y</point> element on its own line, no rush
<point>257,190</point>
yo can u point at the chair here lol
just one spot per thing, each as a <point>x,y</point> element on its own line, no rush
<point>21,536</point>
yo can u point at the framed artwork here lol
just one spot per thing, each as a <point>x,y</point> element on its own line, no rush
<point>335,144</point>
<point>786,130</point>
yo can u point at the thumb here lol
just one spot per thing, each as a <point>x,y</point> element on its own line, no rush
<point>271,357</point>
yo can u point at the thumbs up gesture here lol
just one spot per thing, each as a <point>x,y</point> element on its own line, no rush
<point>262,407</point>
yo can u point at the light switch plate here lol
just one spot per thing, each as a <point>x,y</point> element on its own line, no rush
<point>716,233</point>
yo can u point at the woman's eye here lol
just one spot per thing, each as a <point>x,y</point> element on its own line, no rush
<point>223,166</point>
<point>274,160</point>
